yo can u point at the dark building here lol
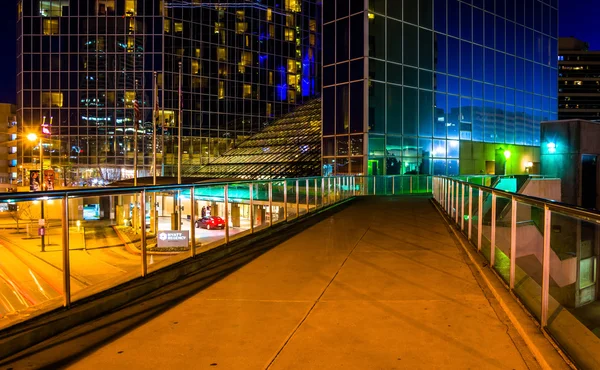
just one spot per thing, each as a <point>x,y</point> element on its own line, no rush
<point>84,66</point>
<point>578,80</point>
<point>436,86</point>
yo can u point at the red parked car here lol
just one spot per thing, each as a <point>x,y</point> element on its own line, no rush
<point>211,222</point>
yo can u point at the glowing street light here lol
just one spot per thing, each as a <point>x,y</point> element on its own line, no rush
<point>507,154</point>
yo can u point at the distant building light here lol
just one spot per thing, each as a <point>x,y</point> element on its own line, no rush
<point>371,15</point>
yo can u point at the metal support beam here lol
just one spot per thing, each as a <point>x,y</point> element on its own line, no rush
<point>142,222</point>
<point>251,192</point>
<point>493,232</point>
<point>470,212</point>
<point>226,212</point>
<point>285,200</point>
<point>193,222</point>
<point>65,252</point>
<point>513,242</point>
<point>479,219</point>
<point>546,266</point>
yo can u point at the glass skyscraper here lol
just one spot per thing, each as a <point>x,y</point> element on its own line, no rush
<point>86,67</point>
<point>436,86</point>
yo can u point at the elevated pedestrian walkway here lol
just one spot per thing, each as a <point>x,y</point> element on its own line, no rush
<point>382,284</point>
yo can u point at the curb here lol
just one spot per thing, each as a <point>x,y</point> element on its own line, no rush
<point>550,357</point>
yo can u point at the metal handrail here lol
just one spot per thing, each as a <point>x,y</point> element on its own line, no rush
<point>565,208</point>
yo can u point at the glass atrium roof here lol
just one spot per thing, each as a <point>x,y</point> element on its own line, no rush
<point>288,147</point>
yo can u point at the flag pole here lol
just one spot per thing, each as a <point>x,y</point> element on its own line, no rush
<point>179,124</point>
<point>154,129</point>
<point>135,136</point>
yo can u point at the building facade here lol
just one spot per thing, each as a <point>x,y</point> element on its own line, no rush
<point>578,80</point>
<point>436,86</point>
<point>8,150</point>
<point>86,74</point>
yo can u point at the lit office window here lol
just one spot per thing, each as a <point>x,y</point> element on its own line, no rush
<point>50,26</point>
<point>195,67</point>
<point>178,27</point>
<point>52,99</point>
<point>53,8</point>
<point>130,7</point>
<point>167,26</point>
<point>241,27</point>
<point>106,7</point>
<point>221,89</point>
<point>247,92</point>
<point>292,5</point>
<point>221,54</point>
<point>289,34</point>
<point>269,15</point>
<point>291,66</point>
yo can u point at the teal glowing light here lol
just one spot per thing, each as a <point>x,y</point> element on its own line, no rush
<point>551,147</point>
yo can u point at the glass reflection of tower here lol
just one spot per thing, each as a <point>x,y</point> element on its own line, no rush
<point>85,62</point>
<point>432,84</point>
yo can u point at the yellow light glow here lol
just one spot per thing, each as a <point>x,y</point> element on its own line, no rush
<point>32,137</point>
<point>371,16</point>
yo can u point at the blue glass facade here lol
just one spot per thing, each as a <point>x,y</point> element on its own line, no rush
<point>436,86</point>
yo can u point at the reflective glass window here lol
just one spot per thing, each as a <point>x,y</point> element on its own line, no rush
<point>411,45</point>
<point>377,103</point>
<point>376,70</point>
<point>357,29</point>
<point>466,56</point>
<point>357,102</point>
<point>425,80</point>
<point>411,111</point>
<point>453,18</point>
<point>465,87</point>
<point>342,40</point>
<point>453,117</point>
<point>465,22</point>
<point>500,34</point>
<point>439,127</point>
<point>425,13</point>
<point>394,9</point>
<point>377,41</point>
<point>453,63</point>
<point>425,113</point>
<point>394,45</point>
<point>489,30</point>
<point>440,61</point>
<point>329,111</point>
<point>478,114</point>
<point>440,15</point>
<point>478,63</point>
<point>342,101</point>
<point>478,29</point>
<point>453,85</point>
<point>411,11</point>
<point>425,49</point>
<point>411,76</point>
<point>394,73</point>
<point>394,107</point>
<point>375,6</point>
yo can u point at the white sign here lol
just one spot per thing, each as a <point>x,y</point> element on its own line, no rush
<point>42,222</point>
<point>173,238</point>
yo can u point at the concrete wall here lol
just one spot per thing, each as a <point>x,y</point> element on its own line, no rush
<point>474,155</point>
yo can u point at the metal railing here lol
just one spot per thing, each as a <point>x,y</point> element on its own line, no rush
<point>59,247</point>
<point>552,270</point>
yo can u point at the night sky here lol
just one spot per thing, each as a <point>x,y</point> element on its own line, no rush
<point>576,18</point>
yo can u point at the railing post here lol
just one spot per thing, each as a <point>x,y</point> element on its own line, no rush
<point>65,252</point>
<point>251,192</point>
<point>513,242</point>
<point>479,219</point>
<point>142,215</point>
<point>457,204</point>
<point>285,210</point>
<point>322,191</point>
<point>226,200</point>
<point>427,183</point>
<point>374,185</point>
<point>393,185</point>
<point>316,194</point>
<point>546,265</point>
<point>193,222</point>
<point>270,203</point>
<point>470,211</point>
<point>410,181</point>
<point>328,190</point>
<point>462,197</point>
<point>297,199</point>
<point>307,197</point>
<point>493,232</point>
<point>451,198</point>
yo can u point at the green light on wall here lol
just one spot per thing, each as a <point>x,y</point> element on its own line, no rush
<point>551,147</point>
<point>507,154</point>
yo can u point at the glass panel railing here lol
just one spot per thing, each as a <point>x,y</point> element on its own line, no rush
<point>278,202</point>
<point>502,238</point>
<point>486,228</point>
<point>292,208</point>
<point>210,225</point>
<point>261,205</point>
<point>528,256</point>
<point>104,242</point>
<point>31,272</point>
<point>239,209</point>
<point>573,314</point>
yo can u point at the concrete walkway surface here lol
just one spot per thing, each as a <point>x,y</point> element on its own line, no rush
<point>380,285</point>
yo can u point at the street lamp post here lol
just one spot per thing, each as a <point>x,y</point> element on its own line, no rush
<point>33,137</point>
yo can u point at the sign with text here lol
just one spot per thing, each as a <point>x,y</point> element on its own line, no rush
<point>173,238</point>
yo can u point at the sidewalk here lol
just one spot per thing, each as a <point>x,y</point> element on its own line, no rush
<point>380,285</point>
